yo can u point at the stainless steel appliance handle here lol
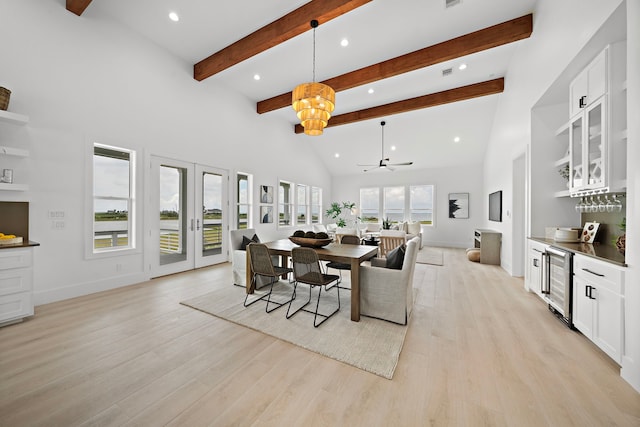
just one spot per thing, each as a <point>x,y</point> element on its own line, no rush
<point>557,252</point>
<point>593,272</point>
<point>545,286</point>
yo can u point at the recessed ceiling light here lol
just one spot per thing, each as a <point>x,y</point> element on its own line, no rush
<point>256,77</point>
<point>174,16</point>
<point>456,139</point>
<point>370,91</point>
<point>393,148</point>
<point>344,42</point>
<point>336,155</point>
<point>462,66</point>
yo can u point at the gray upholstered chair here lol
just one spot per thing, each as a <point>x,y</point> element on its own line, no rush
<point>387,293</point>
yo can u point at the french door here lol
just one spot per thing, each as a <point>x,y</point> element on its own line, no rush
<point>189,216</point>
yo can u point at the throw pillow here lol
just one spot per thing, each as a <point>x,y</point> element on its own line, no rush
<point>395,258</point>
<point>246,241</point>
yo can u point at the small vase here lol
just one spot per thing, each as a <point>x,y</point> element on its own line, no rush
<point>621,243</point>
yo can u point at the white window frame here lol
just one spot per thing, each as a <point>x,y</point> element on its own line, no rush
<point>90,197</point>
<point>302,204</point>
<point>285,206</point>
<point>249,204</point>
<point>433,203</point>
<point>318,220</point>
<point>362,214</point>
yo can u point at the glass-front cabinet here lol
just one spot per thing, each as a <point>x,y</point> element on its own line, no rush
<point>588,149</point>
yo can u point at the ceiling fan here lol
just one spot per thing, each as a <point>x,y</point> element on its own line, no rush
<point>384,162</point>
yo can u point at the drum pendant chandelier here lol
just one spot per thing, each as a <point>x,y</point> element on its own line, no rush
<point>313,102</point>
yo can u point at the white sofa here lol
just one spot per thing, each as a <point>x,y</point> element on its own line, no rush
<point>387,293</point>
<point>413,229</point>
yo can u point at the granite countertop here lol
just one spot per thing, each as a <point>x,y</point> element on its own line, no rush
<point>24,244</point>
<point>606,253</point>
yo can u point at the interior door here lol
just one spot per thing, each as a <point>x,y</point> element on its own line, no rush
<point>189,214</point>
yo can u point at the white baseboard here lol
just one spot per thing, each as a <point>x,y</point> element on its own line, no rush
<point>448,244</point>
<point>630,372</point>
<point>81,289</point>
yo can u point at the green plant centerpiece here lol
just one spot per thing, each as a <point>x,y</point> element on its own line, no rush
<point>386,224</point>
<point>336,211</point>
<point>621,241</point>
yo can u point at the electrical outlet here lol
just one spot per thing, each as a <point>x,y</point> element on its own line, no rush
<point>57,225</point>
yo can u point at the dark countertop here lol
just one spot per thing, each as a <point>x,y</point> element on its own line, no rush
<point>27,244</point>
<point>606,253</point>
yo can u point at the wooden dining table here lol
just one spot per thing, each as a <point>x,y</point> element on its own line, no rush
<point>353,255</point>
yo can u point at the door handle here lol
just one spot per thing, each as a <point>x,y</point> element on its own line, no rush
<point>198,224</point>
<point>591,292</point>
<point>191,226</point>
<point>593,272</point>
<point>535,262</point>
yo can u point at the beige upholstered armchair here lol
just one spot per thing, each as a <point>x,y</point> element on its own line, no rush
<point>387,293</point>
<point>239,257</point>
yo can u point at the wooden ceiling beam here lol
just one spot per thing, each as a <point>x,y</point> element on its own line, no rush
<point>489,87</point>
<point>279,31</point>
<point>487,38</point>
<point>77,6</point>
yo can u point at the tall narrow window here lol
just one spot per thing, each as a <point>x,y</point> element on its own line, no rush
<point>301,204</point>
<point>243,207</point>
<point>113,198</point>
<point>316,205</point>
<point>421,204</point>
<point>285,207</point>
<point>370,205</point>
<point>394,204</point>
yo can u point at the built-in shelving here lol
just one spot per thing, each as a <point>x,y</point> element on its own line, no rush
<point>15,118</point>
<point>563,161</point>
<point>13,187</point>
<point>564,129</point>
<point>10,151</point>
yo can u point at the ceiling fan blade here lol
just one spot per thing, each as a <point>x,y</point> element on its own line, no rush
<point>401,164</point>
<point>390,169</point>
<point>370,169</point>
<point>366,165</point>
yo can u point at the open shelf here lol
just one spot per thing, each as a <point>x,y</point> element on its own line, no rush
<point>9,151</point>
<point>13,187</point>
<point>563,193</point>
<point>564,129</point>
<point>563,161</point>
<point>14,118</point>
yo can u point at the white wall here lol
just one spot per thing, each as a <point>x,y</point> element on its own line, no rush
<point>459,179</point>
<point>82,80</point>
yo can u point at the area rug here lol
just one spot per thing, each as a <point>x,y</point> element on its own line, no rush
<point>431,256</point>
<point>372,345</point>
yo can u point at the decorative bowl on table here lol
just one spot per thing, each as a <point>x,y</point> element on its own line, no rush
<point>309,242</point>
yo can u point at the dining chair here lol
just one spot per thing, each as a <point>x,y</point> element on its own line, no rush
<point>391,239</point>
<point>262,266</point>
<point>347,239</point>
<point>306,269</point>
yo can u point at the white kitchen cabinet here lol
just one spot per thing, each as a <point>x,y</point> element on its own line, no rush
<point>596,139</point>
<point>589,85</point>
<point>598,303</point>
<point>535,267</point>
<point>16,284</point>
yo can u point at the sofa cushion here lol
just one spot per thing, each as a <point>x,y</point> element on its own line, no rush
<point>395,258</point>
<point>246,241</point>
<point>413,228</point>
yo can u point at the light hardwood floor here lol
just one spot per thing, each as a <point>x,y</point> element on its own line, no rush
<point>480,350</point>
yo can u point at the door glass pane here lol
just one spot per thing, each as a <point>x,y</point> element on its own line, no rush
<point>595,145</point>
<point>173,209</point>
<point>211,214</point>
<point>576,153</point>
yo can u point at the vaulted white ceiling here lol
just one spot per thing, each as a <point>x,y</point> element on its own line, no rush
<point>377,31</point>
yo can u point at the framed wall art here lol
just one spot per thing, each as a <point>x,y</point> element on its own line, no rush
<point>266,194</point>
<point>266,214</point>
<point>458,205</point>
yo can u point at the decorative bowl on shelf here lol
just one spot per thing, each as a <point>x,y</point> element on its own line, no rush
<point>310,243</point>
